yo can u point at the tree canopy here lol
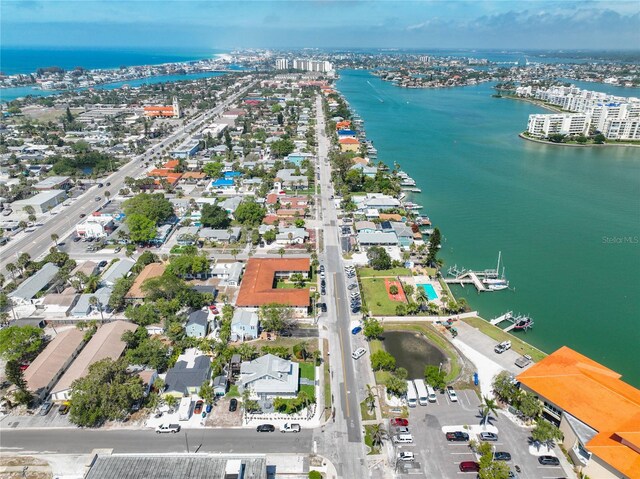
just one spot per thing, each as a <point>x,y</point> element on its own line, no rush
<point>152,206</point>
<point>372,329</point>
<point>383,360</point>
<point>214,216</point>
<point>20,342</point>
<point>107,392</point>
<point>378,258</point>
<point>282,147</point>
<point>274,316</point>
<point>141,228</point>
<point>250,213</point>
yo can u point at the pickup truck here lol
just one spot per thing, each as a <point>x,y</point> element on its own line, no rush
<point>523,361</point>
<point>502,347</point>
<point>173,428</point>
<point>290,427</point>
<point>453,397</point>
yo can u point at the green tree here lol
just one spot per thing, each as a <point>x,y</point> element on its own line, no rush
<point>529,405</point>
<point>213,169</point>
<point>434,376</point>
<point>274,316</point>
<point>378,433</point>
<point>599,139</point>
<point>298,280</point>
<point>378,258</point>
<point>152,206</point>
<point>141,228</point>
<point>382,360</point>
<point>545,432</point>
<point>107,392</point>
<point>14,374</point>
<point>186,265</point>
<point>393,289</point>
<point>281,148</point>
<point>20,342</point>
<point>249,213</point>
<point>372,329</point>
<point>55,238</point>
<point>214,216</point>
<point>488,407</point>
<point>269,236</point>
<point>396,386</point>
<point>206,392</point>
<point>120,288</point>
<point>142,315</point>
<point>315,475</point>
<point>281,252</point>
<point>504,386</point>
<point>150,352</point>
<point>434,246</point>
<point>370,399</point>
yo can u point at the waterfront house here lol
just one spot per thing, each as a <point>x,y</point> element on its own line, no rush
<point>349,144</point>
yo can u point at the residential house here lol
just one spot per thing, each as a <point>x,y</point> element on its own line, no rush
<point>152,270</point>
<point>188,235</point>
<point>349,144</point>
<point>377,239</point>
<point>27,291</point>
<point>84,307</point>
<point>197,324</point>
<point>292,235</point>
<point>191,370</point>
<point>598,413</point>
<point>232,235</point>
<point>116,271</point>
<point>365,227</point>
<point>228,273</point>
<point>105,343</point>
<point>244,324</point>
<point>220,385</point>
<point>231,204</point>
<point>288,179</point>
<point>403,232</point>
<point>52,362</point>
<point>269,377</point>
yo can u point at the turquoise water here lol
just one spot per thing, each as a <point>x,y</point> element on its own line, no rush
<point>430,291</point>
<point>9,94</point>
<point>567,220</point>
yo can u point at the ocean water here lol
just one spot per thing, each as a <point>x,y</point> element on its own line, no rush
<point>27,60</point>
<point>567,220</point>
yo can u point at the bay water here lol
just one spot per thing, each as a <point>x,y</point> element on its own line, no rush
<point>567,220</point>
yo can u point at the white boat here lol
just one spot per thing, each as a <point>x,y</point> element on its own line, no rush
<point>492,281</point>
<point>412,206</point>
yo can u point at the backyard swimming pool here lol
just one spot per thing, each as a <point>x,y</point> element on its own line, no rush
<point>429,289</point>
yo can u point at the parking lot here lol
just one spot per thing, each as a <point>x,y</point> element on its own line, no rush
<point>441,458</point>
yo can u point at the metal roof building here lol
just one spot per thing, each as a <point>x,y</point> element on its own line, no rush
<point>28,289</point>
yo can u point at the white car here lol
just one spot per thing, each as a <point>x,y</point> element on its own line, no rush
<point>453,397</point>
<point>406,456</point>
<point>290,427</point>
<point>358,353</point>
<point>173,428</point>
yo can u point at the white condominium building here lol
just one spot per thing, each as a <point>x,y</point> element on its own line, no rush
<point>282,64</point>
<point>312,65</point>
<point>561,123</point>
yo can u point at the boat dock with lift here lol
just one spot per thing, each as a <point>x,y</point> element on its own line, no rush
<point>518,322</point>
<point>486,280</point>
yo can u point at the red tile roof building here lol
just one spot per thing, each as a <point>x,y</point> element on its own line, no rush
<point>257,287</point>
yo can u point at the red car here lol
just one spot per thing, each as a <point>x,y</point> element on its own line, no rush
<point>198,408</point>
<point>213,309</point>
<point>399,421</point>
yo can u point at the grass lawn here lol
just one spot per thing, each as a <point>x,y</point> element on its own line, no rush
<point>308,371</point>
<point>382,377</point>
<point>435,337</point>
<point>376,297</point>
<point>499,335</point>
<point>375,345</point>
<point>365,413</point>
<point>233,392</point>
<point>370,272</point>
<point>312,344</point>
<point>288,285</point>
<point>310,390</point>
<point>369,441</point>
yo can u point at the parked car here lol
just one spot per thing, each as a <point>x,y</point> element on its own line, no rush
<point>402,430</point>
<point>469,466</point>
<point>352,286</point>
<point>265,428</point>
<point>102,264</point>
<point>198,408</point>
<point>118,249</point>
<point>82,215</point>
<point>323,307</point>
<point>523,361</point>
<point>549,461</point>
<point>453,397</point>
<point>399,421</point>
<point>63,409</point>
<point>358,353</point>
<point>45,408</point>
<point>488,436</point>
<point>76,239</point>
<point>457,436</point>
<point>290,427</point>
<point>356,330</point>
<point>213,309</point>
<point>172,428</point>
<point>233,405</point>
<point>406,456</point>
<point>502,347</point>
<point>501,456</point>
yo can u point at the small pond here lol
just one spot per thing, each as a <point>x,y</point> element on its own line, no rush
<point>412,352</point>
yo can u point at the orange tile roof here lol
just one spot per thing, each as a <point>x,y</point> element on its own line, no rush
<point>194,174</point>
<point>348,141</point>
<point>152,270</point>
<point>360,160</point>
<point>171,164</point>
<point>257,289</point>
<point>596,396</point>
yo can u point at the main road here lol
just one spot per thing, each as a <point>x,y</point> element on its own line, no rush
<point>39,242</point>
<point>342,441</point>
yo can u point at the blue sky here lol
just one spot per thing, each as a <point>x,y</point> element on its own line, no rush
<point>562,24</point>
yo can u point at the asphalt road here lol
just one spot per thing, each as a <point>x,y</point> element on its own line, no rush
<point>38,242</point>
<point>83,441</point>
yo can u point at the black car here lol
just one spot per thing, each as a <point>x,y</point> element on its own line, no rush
<point>266,428</point>
<point>233,405</point>
<point>323,283</point>
<point>501,456</point>
<point>549,461</point>
<point>457,436</point>
<point>108,183</point>
<point>286,333</point>
<point>323,307</point>
<point>100,185</point>
<point>323,291</point>
<point>102,264</point>
<point>76,239</point>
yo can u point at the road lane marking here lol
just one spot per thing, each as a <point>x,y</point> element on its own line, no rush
<point>344,372</point>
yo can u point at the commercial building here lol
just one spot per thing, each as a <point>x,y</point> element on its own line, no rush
<point>95,226</point>
<point>106,343</point>
<point>42,202</point>
<point>257,287</point>
<point>186,149</point>
<point>193,466</point>
<point>54,183</point>
<point>597,412</point>
<point>158,111</point>
<point>51,363</point>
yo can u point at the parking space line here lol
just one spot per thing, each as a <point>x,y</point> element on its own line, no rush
<point>460,453</point>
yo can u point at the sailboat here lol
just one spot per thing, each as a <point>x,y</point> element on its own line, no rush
<point>494,282</point>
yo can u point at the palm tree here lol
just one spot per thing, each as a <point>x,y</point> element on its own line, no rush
<point>95,302</point>
<point>246,351</point>
<point>281,252</point>
<point>421,296</point>
<point>234,252</point>
<point>55,238</point>
<point>23,260</point>
<point>12,268</point>
<point>370,399</point>
<point>488,406</point>
<point>91,285</point>
<point>378,433</point>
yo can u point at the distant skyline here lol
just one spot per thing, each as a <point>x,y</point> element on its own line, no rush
<point>184,24</point>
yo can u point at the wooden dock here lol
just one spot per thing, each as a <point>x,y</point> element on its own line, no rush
<point>468,277</point>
